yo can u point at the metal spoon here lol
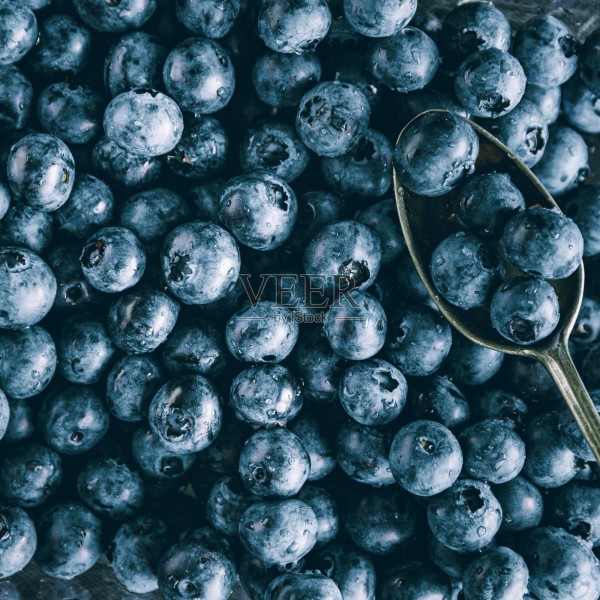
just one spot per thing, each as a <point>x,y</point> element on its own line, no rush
<point>426,221</point>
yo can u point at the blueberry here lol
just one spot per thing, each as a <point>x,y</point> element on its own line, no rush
<point>114,16</point>
<point>18,540</point>
<point>29,474</point>
<point>549,462</point>
<point>435,153</point>
<point>200,262</point>
<point>466,516</point>
<point>204,200</point>
<point>266,395</point>
<point>379,19</point>
<point>547,50</point>
<point>6,414</point>
<point>571,434</point>
<point>560,565</point>
<point>469,363</point>
<point>589,61</point>
<point>27,227</point>
<point>583,206</point>
<point>302,586</point>
<point>21,421</point>
<point>8,591</point>
<point>546,99</point>
<point>484,202</point>
<point>472,27</point>
<point>198,74</point>
<point>207,18</point>
<point>380,522</point>
<point>325,509</point>
<point>41,171</point>
<point>110,488</point>
<point>18,32</point>
<point>73,419</point>
<point>263,333</point>
<point>425,458</point>
<point>586,331</point>
<point>135,551</point>
<point>525,310</point>
<point>373,392</point>
<point>355,326</point>
<point>278,531</point>
<point>226,503</point>
<point>274,463</point>
<point>580,106</point>
<point>490,83</point>
<point>282,79</point>
<point>332,117</point>
<point>406,61</point>
<point>496,403</point>
<point>16,97</point>
<point>202,149</point>
<point>364,171</point>
<point>27,288</point>
<point>500,573</point>
<point>522,504</point>
<point>575,508</point>
<point>419,340</point>
<point>313,435</point>
<point>186,414</point>
<point>140,320</point>
<point>362,453</point>
<point>5,199</point>
<point>259,208</point>
<point>414,579</point>
<point>123,167</point>
<point>64,48</point>
<point>530,379</point>
<point>293,26</point>
<point>69,538</point>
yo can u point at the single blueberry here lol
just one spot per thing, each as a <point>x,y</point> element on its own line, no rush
<point>208,18</point>
<point>469,363</point>
<point>575,507</point>
<point>325,508</point>
<point>302,586</point>
<point>589,61</point>
<point>546,99</point>
<point>21,419</point>
<point>5,199</point>
<point>314,437</point>
<point>522,504</point>
<point>18,32</point>
<point>16,98</point>
<point>495,403</point>
<point>18,540</point>
<point>6,414</point>
<point>414,579</point>
<point>27,227</point>
<point>226,502</point>
<point>586,331</point>
<point>114,16</point>
<point>583,206</point>
<point>379,19</point>
<point>580,106</point>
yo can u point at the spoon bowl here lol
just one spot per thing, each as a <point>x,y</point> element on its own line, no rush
<point>426,221</point>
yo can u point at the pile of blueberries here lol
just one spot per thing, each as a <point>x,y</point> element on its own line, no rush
<point>217,361</point>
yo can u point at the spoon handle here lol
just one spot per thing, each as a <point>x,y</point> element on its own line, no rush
<point>560,365</point>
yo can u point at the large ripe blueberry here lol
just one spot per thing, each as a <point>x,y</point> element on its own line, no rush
<point>114,16</point>
<point>379,18</point>
<point>436,398</point>
<point>16,97</point>
<point>546,99</point>
<point>18,32</point>
<point>18,540</point>
<point>580,106</point>
<point>414,579</point>
<point>576,508</point>
<point>522,504</point>
<point>435,153</point>
<point>302,586</point>
<point>502,404</point>
<point>21,419</point>
<point>27,227</point>
<point>208,18</point>
<point>470,363</point>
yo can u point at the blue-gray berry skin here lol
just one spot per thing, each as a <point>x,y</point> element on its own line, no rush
<point>565,162</point>
<point>5,199</point>
<point>547,50</point>
<point>207,18</point>
<point>143,121</point>
<point>199,75</point>
<point>113,259</point>
<point>500,573</point>
<point>186,414</point>
<point>438,399</point>
<point>435,153</point>
<point>302,586</point>
<point>571,434</point>
<point>425,458</point>
<point>135,551</point>
<point>406,61</point>
<point>71,112</point>
<point>5,414</point>
<point>18,542</point>
<point>377,19</point>
<point>418,340</point>
<point>490,83</point>
<point>259,208</point>
<point>362,453</point>
<point>200,262</point>
<point>27,361</point>
<point>583,206</point>
<point>226,502</point>
<point>316,440</point>
<point>466,516</point>
<point>114,17</point>
<point>501,404</point>
<point>525,310</point>
<point>64,49</point>
<point>41,171</point>
<point>560,565</point>
<point>278,531</point>
<point>543,242</point>
<point>21,419</point>
<point>8,591</point>
<point>589,61</point>
<point>546,99</point>
<point>202,149</point>
<point>27,288</point>
<point>135,61</point>
<point>326,511</point>
<point>579,106</point>
<point>293,27</point>
<point>73,419</point>
<point>522,504</point>
<point>575,507</point>
<point>18,32</point>
<point>465,270</point>
<point>414,579</point>
<point>469,363</point>
<point>124,168</point>
<point>332,117</point>
<point>589,367</point>
<point>27,227</point>
<point>69,538</point>
<point>282,79</point>
<point>30,473</point>
<point>16,98</point>
<point>273,463</point>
